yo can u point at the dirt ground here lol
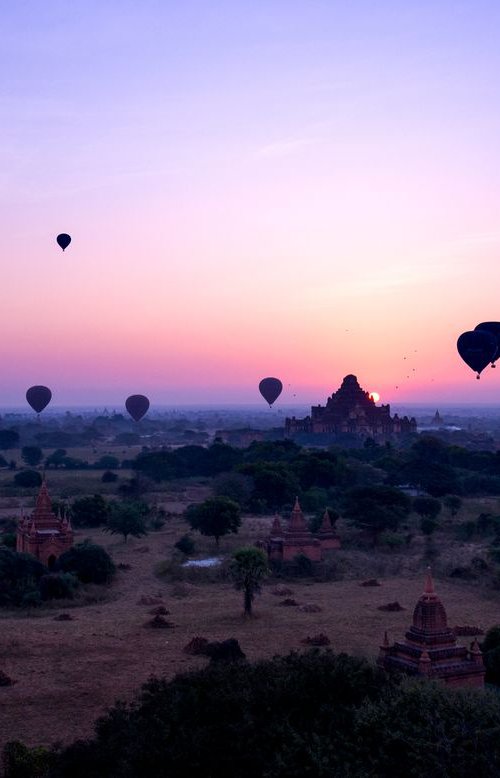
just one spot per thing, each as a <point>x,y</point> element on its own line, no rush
<point>69,672</point>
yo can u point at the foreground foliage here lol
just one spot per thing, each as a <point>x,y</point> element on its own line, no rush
<point>316,714</point>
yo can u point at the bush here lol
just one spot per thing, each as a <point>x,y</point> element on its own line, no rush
<point>186,545</point>
<point>19,576</point>
<point>109,478</point>
<point>90,511</point>
<point>302,565</point>
<point>392,540</point>
<point>28,479</point>
<point>58,586</point>
<point>31,599</point>
<point>8,539</point>
<point>89,562</point>
<point>107,462</point>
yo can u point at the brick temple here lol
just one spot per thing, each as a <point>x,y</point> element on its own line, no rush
<point>284,544</point>
<point>44,534</point>
<point>430,647</point>
<point>350,410</point>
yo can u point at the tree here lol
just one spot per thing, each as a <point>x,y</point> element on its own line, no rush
<point>19,576</point>
<point>28,478</point>
<point>453,503</point>
<point>491,655</point>
<point>126,518</point>
<point>107,462</point>
<point>248,568</point>
<point>215,517</point>
<point>8,439</point>
<point>376,508</point>
<point>427,506</point>
<point>88,561</point>
<point>236,486</point>
<point>32,455</point>
<point>56,459</point>
<point>90,511</point>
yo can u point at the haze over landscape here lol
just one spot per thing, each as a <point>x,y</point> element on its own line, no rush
<point>300,190</point>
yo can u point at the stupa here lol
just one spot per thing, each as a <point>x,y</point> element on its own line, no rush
<point>430,647</point>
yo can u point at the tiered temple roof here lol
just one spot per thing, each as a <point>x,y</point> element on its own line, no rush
<point>44,534</point>
<point>430,646</point>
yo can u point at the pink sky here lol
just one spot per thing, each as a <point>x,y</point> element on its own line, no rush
<point>302,191</point>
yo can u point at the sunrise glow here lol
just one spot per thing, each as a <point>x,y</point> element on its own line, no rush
<point>304,194</point>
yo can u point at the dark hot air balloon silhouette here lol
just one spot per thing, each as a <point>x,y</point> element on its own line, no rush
<point>137,405</point>
<point>270,389</point>
<point>38,397</point>
<point>494,328</point>
<point>477,348</point>
<point>63,240</point>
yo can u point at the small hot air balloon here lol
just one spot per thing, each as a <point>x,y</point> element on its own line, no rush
<point>477,348</point>
<point>137,405</point>
<point>63,240</point>
<point>494,328</point>
<point>38,397</point>
<point>270,389</point>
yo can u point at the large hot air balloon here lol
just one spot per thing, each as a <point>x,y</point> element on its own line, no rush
<point>63,240</point>
<point>270,389</point>
<point>494,328</point>
<point>137,405</point>
<point>38,397</point>
<point>477,348</point>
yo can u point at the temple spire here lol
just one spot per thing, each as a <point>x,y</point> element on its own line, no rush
<point>429,583</point>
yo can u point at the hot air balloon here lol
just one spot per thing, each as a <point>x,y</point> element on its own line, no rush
<point>63,240</point>
<point>477,348</point>
<point>270,389</point>
<point>494,328</point>
<point>38,397</point>
<point>137,405</point>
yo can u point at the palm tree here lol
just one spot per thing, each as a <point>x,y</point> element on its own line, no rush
<point>248,568</point>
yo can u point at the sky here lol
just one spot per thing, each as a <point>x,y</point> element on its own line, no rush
<point>264,188</point>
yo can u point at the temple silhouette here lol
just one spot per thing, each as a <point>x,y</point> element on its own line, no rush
<point>349,416</point>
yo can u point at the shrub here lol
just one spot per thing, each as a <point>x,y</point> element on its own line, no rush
<point>303,567</point>
<point>90,511</point>
<point>58,586</point>
<point>89,562</point>
<point>28,479</point>
<point>109,478</point>
<point>392,540</point>
<point>185,545</point>
<point>8,539</point>
<point>31,599</point>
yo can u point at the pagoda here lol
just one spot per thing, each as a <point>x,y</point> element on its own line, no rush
<point>285,544</point>
<point>430,647</point>
<point>44,534</point>
<point>297,539</point>
<point>326,534</point>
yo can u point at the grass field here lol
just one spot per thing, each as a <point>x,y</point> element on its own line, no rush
<point>68,673</point>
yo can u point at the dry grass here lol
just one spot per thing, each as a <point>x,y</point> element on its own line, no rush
<point>69,672</point>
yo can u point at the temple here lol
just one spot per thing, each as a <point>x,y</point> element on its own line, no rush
<point>286,544</point>
<point>430,647</point>
<point>349,413</point>
<point>43,534</point>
